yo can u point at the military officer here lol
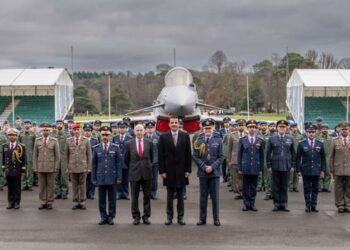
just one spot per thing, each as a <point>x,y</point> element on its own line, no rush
<point>336,131</point>
<point>225,130</point>
<point>208,156</point>
<point>120,140</point>
<point>46,162</point>
<point>232,128</point>
<point>96,132</point>
<point>78,164</point>
<point>129,130</point>
<point>106,173</point>
<point>27,137</point>
<point>151,134</point>
<point>14,165</point>
<point>262,133</point>
<point>250,159</point>
<point>18,124</point>
<point>311,164</point>
<point>35,128</point>
<point>3,140</point>
<point>280,160</point>
<point>267,174</point>
<point>339,164</point>
<point>115,128</point>
<point>319,121</point>
<point>326,139</point>
<point>294,178</point>
<point>90,188</point>
<point>232,157</point>
<point>61,179</point>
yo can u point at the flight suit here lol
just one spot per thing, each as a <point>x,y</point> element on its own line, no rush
<point>27,137</point>
<point>325,181</point>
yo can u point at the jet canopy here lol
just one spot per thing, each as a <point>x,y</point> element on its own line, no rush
<point>178,76</point>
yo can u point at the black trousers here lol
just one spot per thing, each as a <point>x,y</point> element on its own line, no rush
<point>135,191</point>
<point>90,188</point>
<point>209,186</point>
<point>280,181</point>
<point>311,184</point>
<point>249,190</point>
<point>107,192</point>
<point>14,189</point>
<point>170,202</point>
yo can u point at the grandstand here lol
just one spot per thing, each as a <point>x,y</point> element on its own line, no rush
<point>315,92</point>
<point>36,94</point>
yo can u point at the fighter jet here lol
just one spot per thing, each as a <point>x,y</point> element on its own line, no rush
<point>178,97</point>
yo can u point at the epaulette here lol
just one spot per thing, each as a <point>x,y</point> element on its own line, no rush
<point>38,138</point>
<point>114,144</point>
<point>53,138</point>
<point>97,145</point>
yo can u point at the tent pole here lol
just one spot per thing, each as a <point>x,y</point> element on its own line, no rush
<point>13,108</point>
<point>347,105</point>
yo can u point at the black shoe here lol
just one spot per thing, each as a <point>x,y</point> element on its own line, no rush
<point>181,222</point>
<point>127,198</point>
<point>75,207</point>
<point>64,197</point>
<point>238,197</point>
<point>168,222</point>
<point>230,190</point>
<point>245,209</point>
<point>254,209</point>
<point>307,210</point>
<point>103,222</point>
<point>82,207</point>
<point>146,221</point>
<point>201,222</point>
<point>49,206</point>
<point>314,210</point>
<point>217,223</point>
<point>43,206</point>
<point>118,198</point>
<point>341,210</point>
<point>136,221</point>
<point>267,197</point>
<point>185,197</point>
<point>10,206</point>
<point>275,209</point>
<point>296,190</point>
<point>58,197</point>
<point>154,197</point>
<point>30,189</point>
<point>16,206</point>
<point>326,190</point>
<point>110,221</point>
<point>91,197</point>
<point>285,209</point>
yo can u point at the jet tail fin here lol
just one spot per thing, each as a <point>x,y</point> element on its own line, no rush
<point>145,109</point>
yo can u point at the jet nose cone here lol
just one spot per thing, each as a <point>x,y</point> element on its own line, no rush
<point>180,101</point>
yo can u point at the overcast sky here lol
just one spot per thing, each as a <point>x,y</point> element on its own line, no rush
<point>136,35</point>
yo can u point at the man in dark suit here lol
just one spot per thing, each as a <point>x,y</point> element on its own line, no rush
<point>175,160</point>
<point>280,160</point>
<point>311,164</point>
<point>138,159</point>
<point>120,140</point>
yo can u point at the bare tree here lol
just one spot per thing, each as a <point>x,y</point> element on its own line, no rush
<point>312,55</point>
<point>327,61</point>
<point>344,63</point>
<point>218,60</point>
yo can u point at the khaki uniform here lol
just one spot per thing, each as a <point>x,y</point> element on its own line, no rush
<point>78,164</point>
<point>46,159</point>
<point>232,150</point>
<point>339,164</point>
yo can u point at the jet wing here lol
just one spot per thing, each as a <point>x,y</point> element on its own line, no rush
<point>145,109</point>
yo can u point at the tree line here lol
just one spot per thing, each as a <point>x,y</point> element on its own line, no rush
<point>220,82</point>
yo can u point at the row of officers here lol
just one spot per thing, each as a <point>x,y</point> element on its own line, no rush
<point>108,163</point>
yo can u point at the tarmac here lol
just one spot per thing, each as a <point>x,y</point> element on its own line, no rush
<point>62,228</point>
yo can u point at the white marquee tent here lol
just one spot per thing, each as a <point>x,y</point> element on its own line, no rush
<point>315,83</point>
<point>39,82</point>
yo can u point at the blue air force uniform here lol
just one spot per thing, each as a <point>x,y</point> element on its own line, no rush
<point>311,161</point>
<point>280,157</point>
<point>123,188</point>
<point>154,138</point>
<point>250,159</point>
<point>106,171</point>
<point>208,152</point>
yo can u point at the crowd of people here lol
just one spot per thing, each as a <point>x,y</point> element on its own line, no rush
<point>122,161</point>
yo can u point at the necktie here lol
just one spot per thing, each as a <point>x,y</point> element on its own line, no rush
<point>175,139</point>
<point>121,139</point>
<point>77,141</point>
<point>12,146</point>
<point>207,140</point>
<point>252,141</point>
<point>281,138</point>
<point>44,141</point>
<point>105,148</point>
<point>140,148</point>
<point>312,144</point>
<point>345,142</point>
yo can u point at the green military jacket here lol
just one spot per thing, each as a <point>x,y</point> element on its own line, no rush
<point>327,140</point>
<point>28,139</point>
<point>61,137</point>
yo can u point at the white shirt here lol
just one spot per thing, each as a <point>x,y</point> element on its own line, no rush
<point>313,142</point>
<point>12,144</point>
<point>137,144</point>
<point>103,145</point>
<point>250,138</point>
